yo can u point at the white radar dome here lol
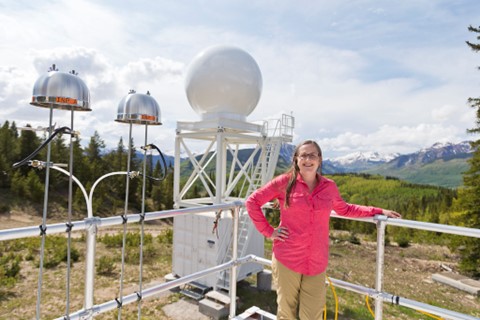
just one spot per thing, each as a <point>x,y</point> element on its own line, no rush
<point>223,81</point>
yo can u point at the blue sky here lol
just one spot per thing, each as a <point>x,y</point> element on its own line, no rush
<point>385,76</point>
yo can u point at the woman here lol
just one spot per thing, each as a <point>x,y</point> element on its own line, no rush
<point>300,242</point>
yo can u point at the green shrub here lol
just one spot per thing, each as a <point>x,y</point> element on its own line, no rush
<point>56,250</point>
<point>4,208</point>
<point>166,236</point>
<point>105,266</point>
<point>149,252</point>
<point>132,239</point>
<point>112,241</point>
<point>353,238</point>
<point>9,269</point>
<point>402,239</point>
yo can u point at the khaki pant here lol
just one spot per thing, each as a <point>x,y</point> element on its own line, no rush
<point>298,293</point>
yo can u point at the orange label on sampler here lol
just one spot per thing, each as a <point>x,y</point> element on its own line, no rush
<point>66,100</point>
<point>147,117</point>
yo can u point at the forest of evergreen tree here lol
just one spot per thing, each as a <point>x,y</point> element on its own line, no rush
<point>25,184</point>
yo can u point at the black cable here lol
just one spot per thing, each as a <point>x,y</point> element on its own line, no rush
<point>164,175</point>
<point>34,153</point>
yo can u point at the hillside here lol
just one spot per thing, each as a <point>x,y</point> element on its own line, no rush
<point>444,173</point>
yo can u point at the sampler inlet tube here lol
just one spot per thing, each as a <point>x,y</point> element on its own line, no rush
<point>58,90</point>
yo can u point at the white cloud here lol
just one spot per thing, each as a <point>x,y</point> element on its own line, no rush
<point>356,76</point>
<point>390,139</point>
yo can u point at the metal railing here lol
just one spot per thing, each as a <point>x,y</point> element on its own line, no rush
<point>91,225</point>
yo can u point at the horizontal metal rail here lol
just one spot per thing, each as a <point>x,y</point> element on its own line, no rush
<point>25,232</point>
<point>412,224</point>
<point>152,291</point>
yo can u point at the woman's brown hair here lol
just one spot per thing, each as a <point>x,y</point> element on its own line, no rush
<point>294,169</point>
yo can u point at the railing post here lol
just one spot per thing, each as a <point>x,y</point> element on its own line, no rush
<point>90,261</point>
<point>381,226</point>
<point>233,271</point>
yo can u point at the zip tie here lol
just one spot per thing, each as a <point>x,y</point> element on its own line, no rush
<point>43,230</point>
<point>124,218</point>
<point>395,300</point>
<point>133,174</point>
<point>139,296</point>
<point>119,304</point>
<point>69,226</point>
<point>142,217</point>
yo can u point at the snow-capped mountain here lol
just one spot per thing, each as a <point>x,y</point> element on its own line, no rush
<point>443,151</point>
<point>364,157</point>
<point>356,162</point>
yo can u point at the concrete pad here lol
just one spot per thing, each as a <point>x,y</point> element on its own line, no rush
<point>218,297</point>
<point>184,309</point>
<point>213,309</point>
<point>171,277</point>
<point>458,281</point>
<point>264,280</point>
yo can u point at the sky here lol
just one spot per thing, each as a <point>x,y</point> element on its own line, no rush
<point>358,76</point>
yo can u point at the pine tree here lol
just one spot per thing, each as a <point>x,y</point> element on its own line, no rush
<point>117,162</point>
<point>28,142</point>
<point>156,192</point>
<point>134,196</point>
<point>469,197</point>
<point>8,152</point>
<point>96,168</point>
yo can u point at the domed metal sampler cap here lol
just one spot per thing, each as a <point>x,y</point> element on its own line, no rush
<point>60,90</point>
<point>138,108</point>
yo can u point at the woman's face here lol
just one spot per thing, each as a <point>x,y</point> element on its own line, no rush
<point>308,159</point>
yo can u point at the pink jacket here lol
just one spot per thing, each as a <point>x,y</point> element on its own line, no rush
<point>307,219</point>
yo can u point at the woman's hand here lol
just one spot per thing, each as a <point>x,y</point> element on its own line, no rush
<point>391,214</point>
<point>281,233</point>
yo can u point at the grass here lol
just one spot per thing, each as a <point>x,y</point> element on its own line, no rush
<point>407,274</point>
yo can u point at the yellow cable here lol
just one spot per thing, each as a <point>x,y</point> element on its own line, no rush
<point>430,315</point>
<point>368,306</point>
<point>334,295</point>
<point>425,313</point>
